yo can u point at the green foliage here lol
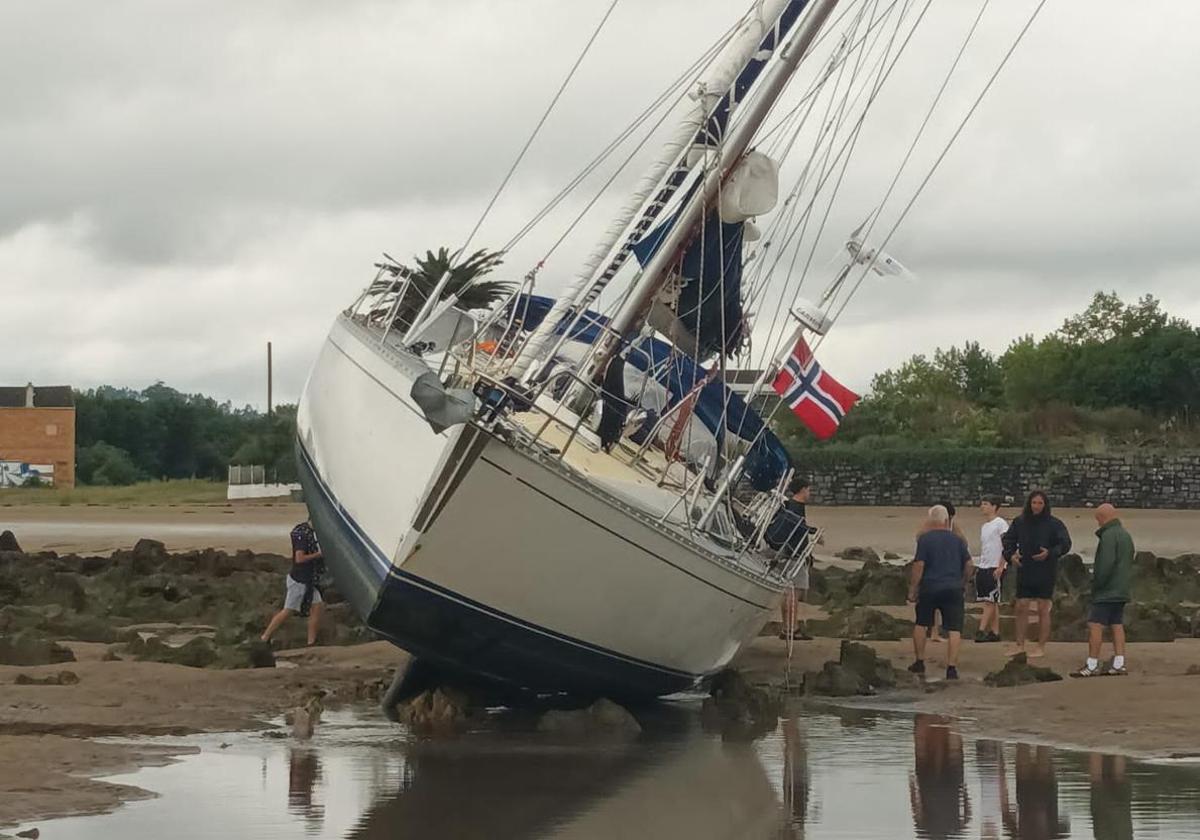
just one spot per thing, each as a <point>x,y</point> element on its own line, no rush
<point>125,436</point>
<point>105,465</point>
<point>463,282</point>
<point>1115,375</point>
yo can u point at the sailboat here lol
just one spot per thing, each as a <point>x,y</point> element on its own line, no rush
<point>562,498</point>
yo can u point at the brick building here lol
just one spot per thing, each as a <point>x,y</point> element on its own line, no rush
<point>37,435</point>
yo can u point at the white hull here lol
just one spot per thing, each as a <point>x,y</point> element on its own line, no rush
<point>493,559</point>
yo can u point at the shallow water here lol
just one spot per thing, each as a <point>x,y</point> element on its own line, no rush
<point>849,774</point>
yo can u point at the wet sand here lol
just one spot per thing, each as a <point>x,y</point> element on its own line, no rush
<point>264,526</point>
<point>48,758</point>
<point>1150,714</point>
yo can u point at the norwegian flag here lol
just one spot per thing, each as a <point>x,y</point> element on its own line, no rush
<point>819,400</point>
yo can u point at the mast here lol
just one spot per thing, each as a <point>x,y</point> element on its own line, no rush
<point>715,98</point>
<point>656,271</point>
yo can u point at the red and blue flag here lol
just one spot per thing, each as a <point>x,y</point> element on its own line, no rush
<point>819,400</point>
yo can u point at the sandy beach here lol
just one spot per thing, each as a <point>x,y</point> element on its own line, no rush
<point>264,526</point>
<point>50,760</point>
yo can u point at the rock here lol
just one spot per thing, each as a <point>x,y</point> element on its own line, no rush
<point>110,656</point>
<point>858,671</point>
<point>737,707</point>
<point>1192,671</point>
<point>861,623</point>
<point>1018,671</point>
<point>890,555</point>
<point>302,723</point>
<point>30,648</point>
<point>862,660</point>
<point>437,709</point>
<point>1158,622</point>
<point>604,718</point>
<point>196,653</point>
<point>8,541</point>
<point>30,834</point>
<point>856,552</point>
<point>149,551</point>
<point>61,678</point>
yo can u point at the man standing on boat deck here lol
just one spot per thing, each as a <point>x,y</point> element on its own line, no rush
<point>303,593</point>
<point>789,533</point>
<point>940,571</point>
<point>1112,575</point>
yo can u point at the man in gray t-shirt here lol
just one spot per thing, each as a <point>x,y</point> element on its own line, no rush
<point>940,569</point>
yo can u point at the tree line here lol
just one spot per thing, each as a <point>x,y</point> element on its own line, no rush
<point>123,436</point>
<point>1116,375</point>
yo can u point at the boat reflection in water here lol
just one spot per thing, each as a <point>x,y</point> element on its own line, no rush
<point>692,786</point>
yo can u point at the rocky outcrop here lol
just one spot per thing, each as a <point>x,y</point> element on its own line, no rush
<point>861,624</point>
<point>436,710</point>
<point>31,648</point>
<point>1018,671</point>
<point>874,584</point>
<point>61,678</point>
<point>858,671</point>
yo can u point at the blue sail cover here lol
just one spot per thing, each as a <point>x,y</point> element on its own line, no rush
<point>767,460</point>
<point>710,300</point>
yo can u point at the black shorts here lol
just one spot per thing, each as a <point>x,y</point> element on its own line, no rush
<point>1107,613</point>
<point>987,586</point>
<point>1040,586</point>
<point>948,602</point>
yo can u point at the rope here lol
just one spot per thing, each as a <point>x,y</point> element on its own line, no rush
<point>537,128</point>
<point>945,151</point>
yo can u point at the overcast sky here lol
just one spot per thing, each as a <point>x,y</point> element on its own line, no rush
<point>181,182</point>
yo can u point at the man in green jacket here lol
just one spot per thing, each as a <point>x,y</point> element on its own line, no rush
<point>1112,575</point>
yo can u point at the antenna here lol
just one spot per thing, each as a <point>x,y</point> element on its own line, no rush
<point>269,379</point>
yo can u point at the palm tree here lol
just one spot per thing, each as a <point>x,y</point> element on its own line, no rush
<point>463,281</point>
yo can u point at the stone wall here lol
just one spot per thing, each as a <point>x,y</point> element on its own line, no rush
<point>920,478</point>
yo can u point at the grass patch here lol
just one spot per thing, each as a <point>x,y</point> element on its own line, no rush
<point>184,491</point>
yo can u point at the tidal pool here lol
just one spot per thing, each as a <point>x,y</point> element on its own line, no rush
<point>819,774</point>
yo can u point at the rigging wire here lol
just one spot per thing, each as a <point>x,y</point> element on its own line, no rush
<point>945,151</point>
<point>921,187</point>
<point>537,128</point>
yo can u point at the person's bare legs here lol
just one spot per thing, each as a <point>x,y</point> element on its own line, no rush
<point>1043,609</point>
<point>1118,636</point>
<point>274,624</point>
<point>919,636</point>
<point>953,641</point>
<point>314,621</point>
<point>1096,639</point>
<point>1020,622</point>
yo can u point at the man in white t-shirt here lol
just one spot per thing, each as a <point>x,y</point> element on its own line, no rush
<point>990,569</point>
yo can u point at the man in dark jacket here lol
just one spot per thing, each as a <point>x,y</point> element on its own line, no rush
<point>1033,544</point>
<point>1112,576</point>
<point>789,534</point>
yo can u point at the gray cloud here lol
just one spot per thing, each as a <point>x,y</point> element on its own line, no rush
<point>182,183</point>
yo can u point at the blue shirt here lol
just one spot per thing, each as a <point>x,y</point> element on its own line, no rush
<point>945,556</point>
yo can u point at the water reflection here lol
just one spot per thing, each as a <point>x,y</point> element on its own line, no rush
<point>1037,795</point>
<point>818,775</point>
<point>937,786</point>
<point>1112,797</point>
<point>304,771</point>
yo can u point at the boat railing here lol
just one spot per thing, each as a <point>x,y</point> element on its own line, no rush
<point>488,385</point>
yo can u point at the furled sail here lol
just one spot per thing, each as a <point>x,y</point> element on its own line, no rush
<point>721,411</point>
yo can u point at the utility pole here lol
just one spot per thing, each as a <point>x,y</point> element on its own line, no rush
<point>268,379</point>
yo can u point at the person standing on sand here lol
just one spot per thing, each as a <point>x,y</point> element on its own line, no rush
<point>1112,574</point>
<point>934,635</point>
<point>303,594</point>
<point>940,569</point>
<point>990,568</point>
<point>789,533</point>
<point>1033,543</point>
